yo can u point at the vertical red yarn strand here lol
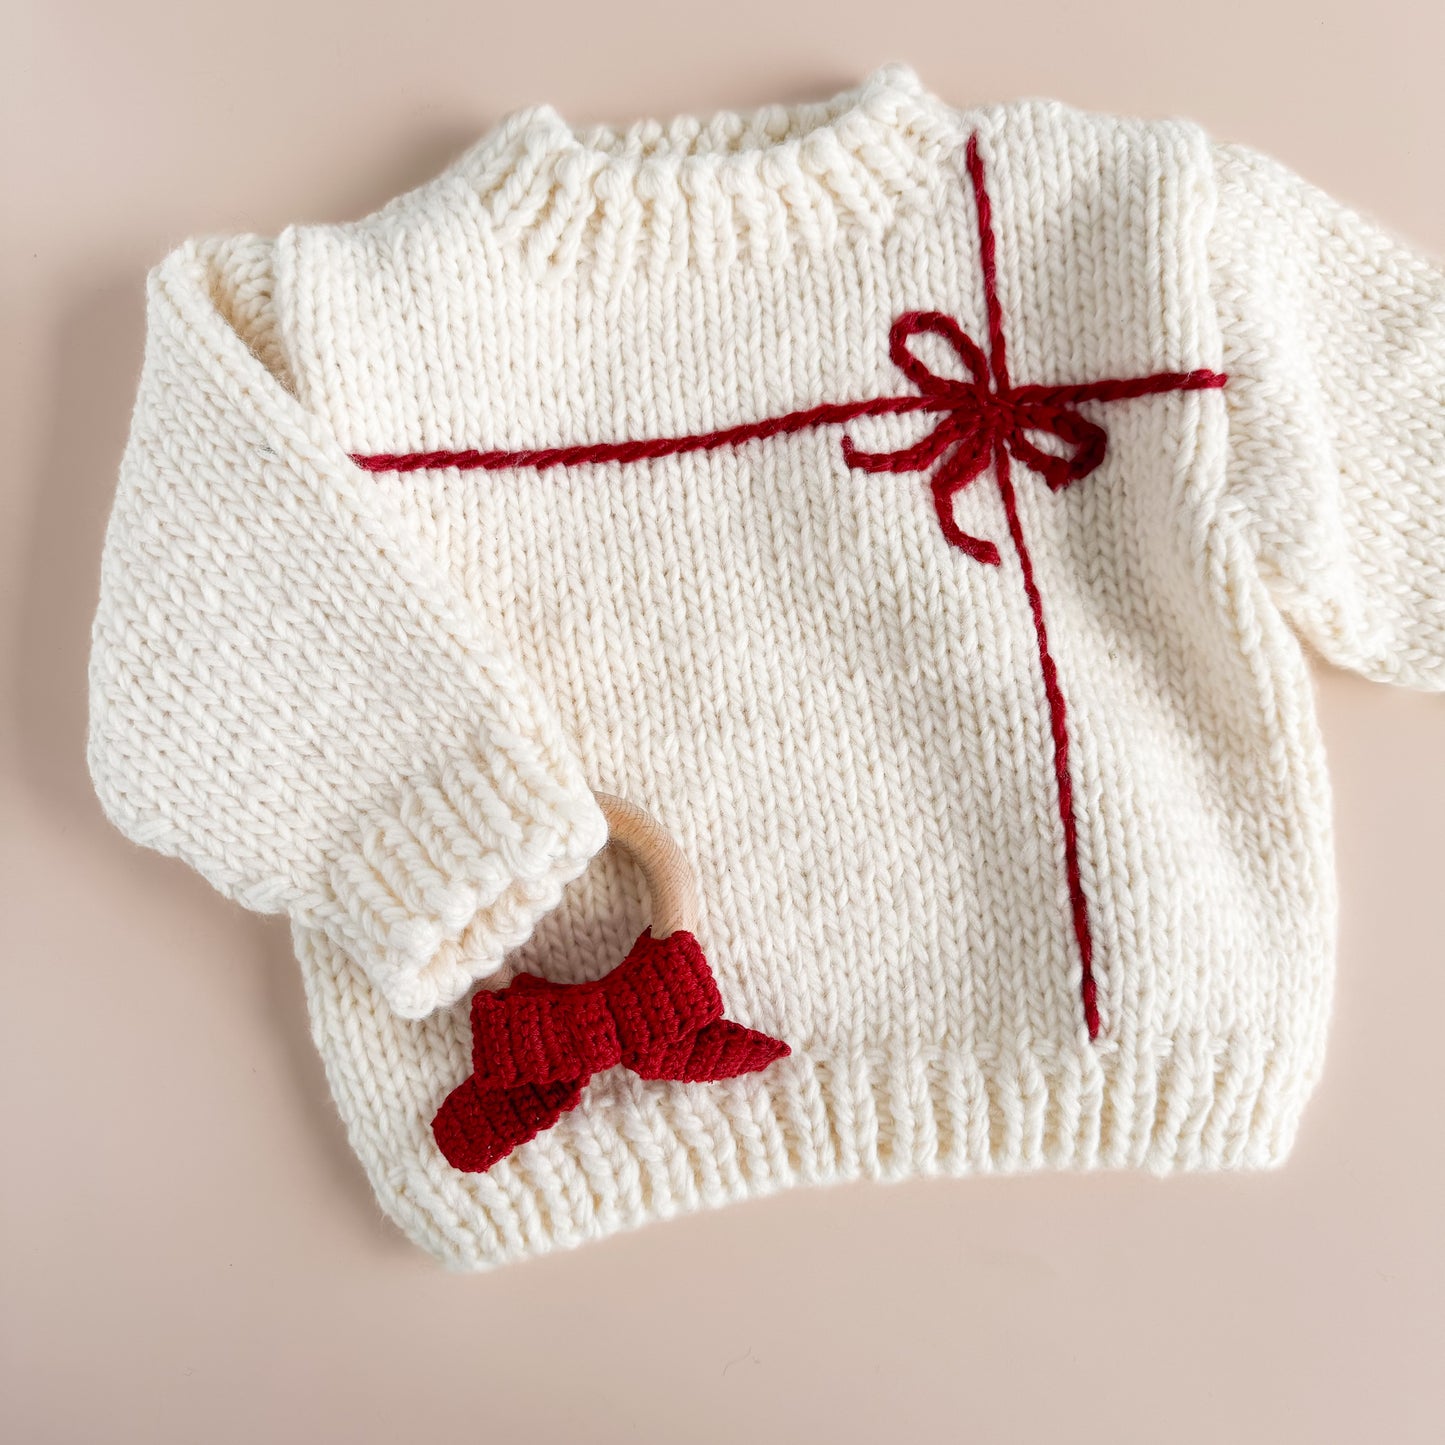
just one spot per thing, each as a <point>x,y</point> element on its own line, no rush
<point>1053,693</point>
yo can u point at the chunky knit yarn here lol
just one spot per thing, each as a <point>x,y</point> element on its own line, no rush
<point>918,509</point>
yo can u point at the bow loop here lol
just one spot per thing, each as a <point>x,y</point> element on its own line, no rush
<point>916,458</point>
<point>936,323</point>
<point>1086,441</point>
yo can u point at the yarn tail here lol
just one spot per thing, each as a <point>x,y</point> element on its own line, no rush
<point>476,1127</point>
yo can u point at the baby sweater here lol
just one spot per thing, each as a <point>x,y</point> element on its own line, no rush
<point>918,510</point>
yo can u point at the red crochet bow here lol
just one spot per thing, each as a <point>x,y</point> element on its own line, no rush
<point>535,1044</point>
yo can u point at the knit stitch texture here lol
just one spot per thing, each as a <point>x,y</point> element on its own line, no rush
<point>984,715</point>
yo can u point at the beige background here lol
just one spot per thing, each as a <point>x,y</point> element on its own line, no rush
<point>190,1252</point>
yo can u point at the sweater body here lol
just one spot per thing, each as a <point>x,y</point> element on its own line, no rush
<point>1028,858</point>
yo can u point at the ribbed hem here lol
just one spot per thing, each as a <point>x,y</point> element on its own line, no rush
<point>637,1152</point>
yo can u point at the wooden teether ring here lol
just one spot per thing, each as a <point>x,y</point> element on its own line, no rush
<point>671,887</point>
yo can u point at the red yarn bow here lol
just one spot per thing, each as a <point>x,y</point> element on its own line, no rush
<point>980,419</point>
<point>535,1044</point>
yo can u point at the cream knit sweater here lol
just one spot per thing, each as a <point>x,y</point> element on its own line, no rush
<point>1000,776</point>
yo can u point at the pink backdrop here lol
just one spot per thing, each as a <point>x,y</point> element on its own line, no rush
<point>189,1250</point>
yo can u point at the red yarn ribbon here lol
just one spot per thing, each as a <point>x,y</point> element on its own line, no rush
<point>535,1045</point>
<point>986,422</point>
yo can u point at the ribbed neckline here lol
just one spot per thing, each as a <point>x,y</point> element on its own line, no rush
<point>800,170</point>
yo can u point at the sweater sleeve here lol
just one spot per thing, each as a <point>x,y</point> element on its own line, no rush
<point>287,692</point>
<point>1335,346</point>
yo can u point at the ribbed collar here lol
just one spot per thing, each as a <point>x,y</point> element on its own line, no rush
<point>761,177</point>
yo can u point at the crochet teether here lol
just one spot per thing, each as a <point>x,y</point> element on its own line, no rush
<point>535,1044</point>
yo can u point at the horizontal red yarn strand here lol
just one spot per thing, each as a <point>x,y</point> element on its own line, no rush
<point>541,459</point>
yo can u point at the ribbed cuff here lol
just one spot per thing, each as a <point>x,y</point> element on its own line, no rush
<point>438,888</point>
